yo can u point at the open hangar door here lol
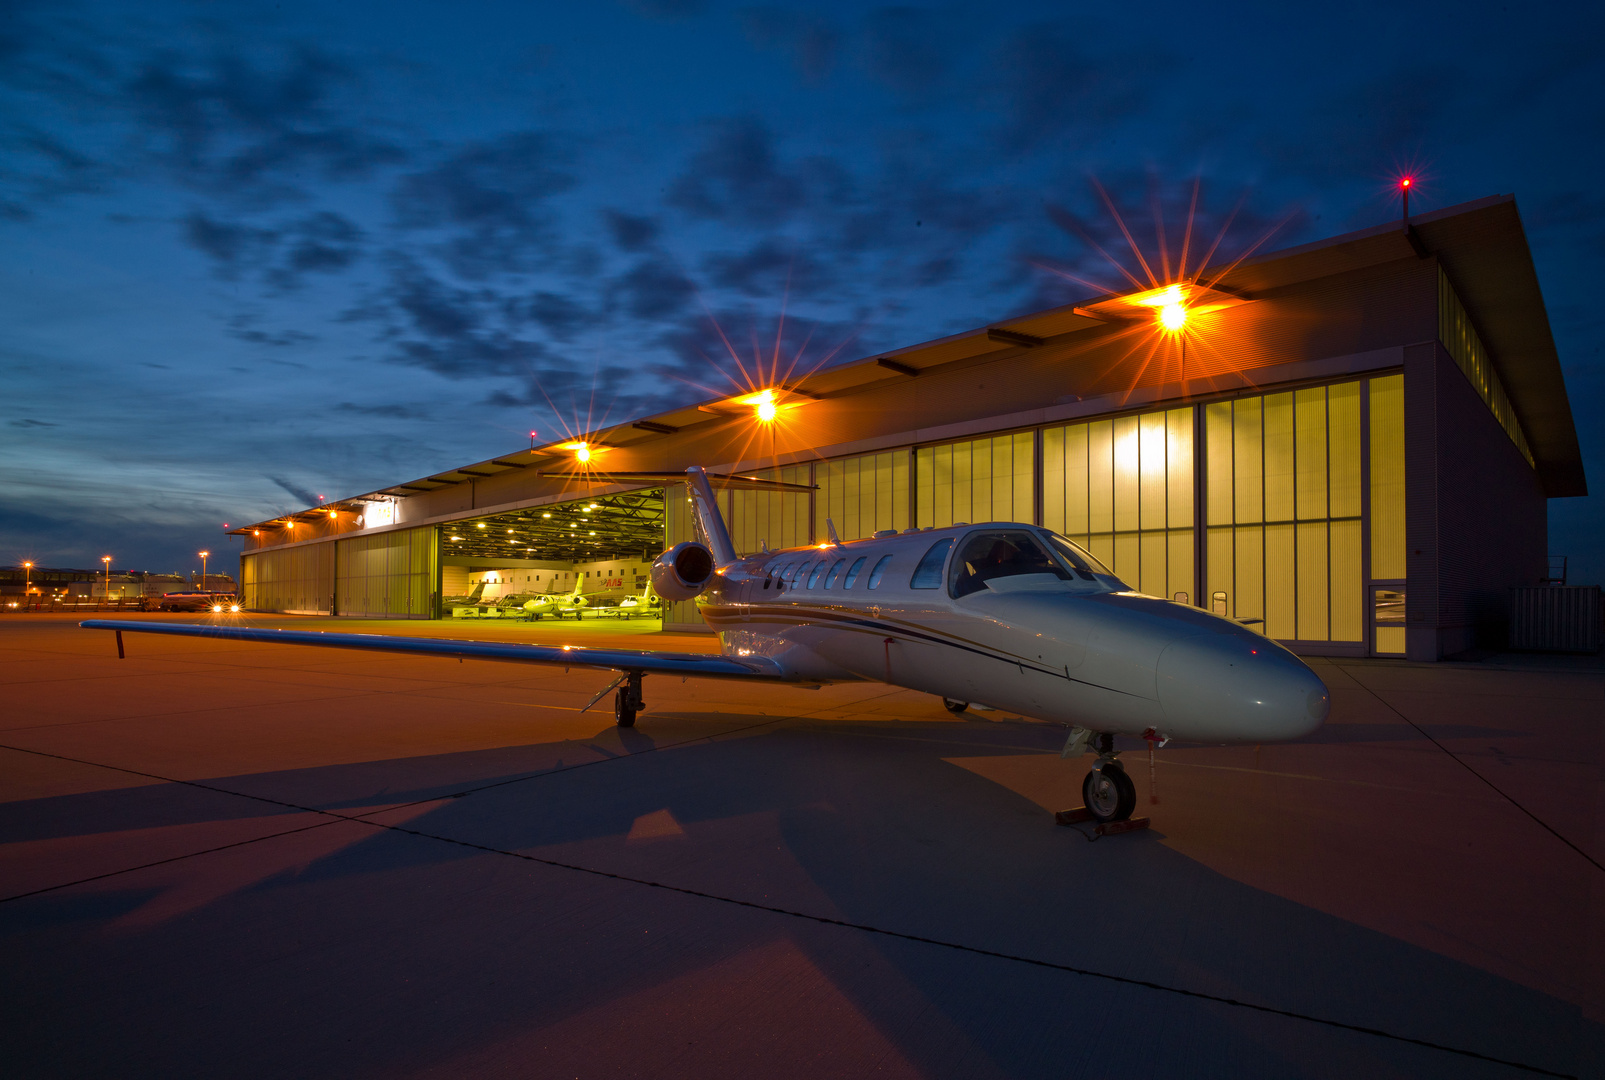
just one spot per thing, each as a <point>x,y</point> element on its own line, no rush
<point>586,560</point>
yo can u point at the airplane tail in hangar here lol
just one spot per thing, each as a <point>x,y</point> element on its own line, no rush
<point>710,526</point>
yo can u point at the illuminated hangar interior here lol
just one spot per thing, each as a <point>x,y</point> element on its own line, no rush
<point>1349,444</point>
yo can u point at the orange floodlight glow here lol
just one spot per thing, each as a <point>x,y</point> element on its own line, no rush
<point>583,451</point>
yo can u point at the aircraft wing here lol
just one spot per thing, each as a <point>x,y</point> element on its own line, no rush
<point>702,665</point>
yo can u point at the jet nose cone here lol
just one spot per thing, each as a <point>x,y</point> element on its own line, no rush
<point>1234,689</point>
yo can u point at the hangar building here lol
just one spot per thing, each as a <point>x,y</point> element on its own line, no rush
<point>1352,441</point>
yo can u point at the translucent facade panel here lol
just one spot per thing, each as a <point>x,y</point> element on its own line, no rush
<point>388,575</point>
<point>1463,343</point>
<point>1218,492</point>
<point>1387,478</point>
<point>1248,461</point>
<point>1127,471</point>
<point>1123,489</point>
<point>1279,469</point>
<point>1347,589</point>
<point>983,480</point>
<point>777,518</point>
<point>861,495</point>
<point>1313,588</point>
<point>1343,449</point>
<point>1310,483</point>
<point>1282,489</point>
<point>299,579</point>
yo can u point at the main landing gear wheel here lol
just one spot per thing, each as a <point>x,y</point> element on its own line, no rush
<point>955,707</point>
<point>628,701</point>
<point>1108,793</point>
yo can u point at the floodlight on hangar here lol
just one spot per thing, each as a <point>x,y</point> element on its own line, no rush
<point>1172,306</point>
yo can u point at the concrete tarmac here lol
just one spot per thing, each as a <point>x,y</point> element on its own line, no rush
<point>227,859</point>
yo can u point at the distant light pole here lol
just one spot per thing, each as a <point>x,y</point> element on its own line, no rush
<point>107,560</point>
<point>27,584</point>
<point>203,555</point>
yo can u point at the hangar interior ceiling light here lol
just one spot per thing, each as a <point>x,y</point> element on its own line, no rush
<point>627,525</point>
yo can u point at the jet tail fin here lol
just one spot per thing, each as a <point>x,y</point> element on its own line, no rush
<point>710,527</point>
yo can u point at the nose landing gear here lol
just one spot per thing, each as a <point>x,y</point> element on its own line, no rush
<point>1108,794</point>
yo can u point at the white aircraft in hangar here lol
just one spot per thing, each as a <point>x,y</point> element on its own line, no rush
<point>1011,615</point>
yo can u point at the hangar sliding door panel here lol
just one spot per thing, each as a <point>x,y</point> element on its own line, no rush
<point>862,495</point>
<point>776,518</point>
<point>981,480</point>
<point>1282,512</point>
<point>1123,489</point>
<point>677,528</point>
<point>295,581</point>
<point>389,575</point>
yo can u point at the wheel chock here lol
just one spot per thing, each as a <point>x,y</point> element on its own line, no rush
<point>1079,814</point>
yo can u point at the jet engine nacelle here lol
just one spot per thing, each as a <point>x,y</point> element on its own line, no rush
<point>683,571</point>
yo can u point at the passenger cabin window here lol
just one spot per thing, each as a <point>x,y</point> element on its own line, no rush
<point>928,574</point>
<point>835,572</point>
<point>876,574</point>
<point>852,575</point>
<point>813,575</point>
<point>990,555</point>
<point>791,569</point>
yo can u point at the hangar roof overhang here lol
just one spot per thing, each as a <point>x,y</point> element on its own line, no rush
<point>1481,246</point>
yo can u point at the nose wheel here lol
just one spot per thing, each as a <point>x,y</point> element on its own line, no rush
<point>955,707</point>
<point>1108,793</point>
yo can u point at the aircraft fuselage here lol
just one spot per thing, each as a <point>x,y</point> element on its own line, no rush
<point>1079,648</point>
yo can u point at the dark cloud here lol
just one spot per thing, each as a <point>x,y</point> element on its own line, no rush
<point>283,254</point>
<point>455,332</point>
<point>737,175</point>
<point>321,243</point>
<point>245,327</point>
<point>396,412</point>
<point>655,288</point>
<point>560,316</point>
<point>246,128</point>
<point>29,422</point>
<point>810,42</point>
<point>767,268</point>
<point>233,248</point>
<point>307,498</point>
<point>630,232</point>
<point>667,10</point>
<point>911,50</point>
<point>490,197</point>
<point>1048,83</point>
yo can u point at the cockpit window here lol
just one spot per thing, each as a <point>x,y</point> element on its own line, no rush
<point>1078,556</point>
<point>989,555</point>
<point>813,575</point>
<point>928,574</point>
<point>852,574</point>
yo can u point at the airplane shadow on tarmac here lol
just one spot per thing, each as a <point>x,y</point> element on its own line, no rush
<point>868,825</point>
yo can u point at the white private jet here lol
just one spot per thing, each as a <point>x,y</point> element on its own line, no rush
<point>1010,615</point>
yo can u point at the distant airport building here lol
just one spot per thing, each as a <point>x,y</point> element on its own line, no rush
<point>1350,443</point>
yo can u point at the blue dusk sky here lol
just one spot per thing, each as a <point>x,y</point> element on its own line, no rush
<point>259,252</point>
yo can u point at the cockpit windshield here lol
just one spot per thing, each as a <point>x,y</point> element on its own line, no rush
<point>988,555</point>
<point>1078,556</point>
